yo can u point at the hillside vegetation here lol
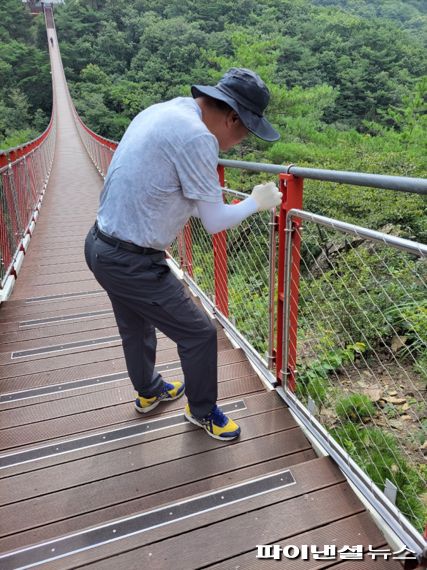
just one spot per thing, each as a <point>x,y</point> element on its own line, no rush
<point>25,84</point>
<point>348,82</point>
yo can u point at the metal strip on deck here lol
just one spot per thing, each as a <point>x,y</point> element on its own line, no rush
<point>53,550</point>
<point>138,429</point>
<point>65,346</point>
<point>60,319</point>
<point>84,383</point>
<point>62,296</point>
<point>56,388</point>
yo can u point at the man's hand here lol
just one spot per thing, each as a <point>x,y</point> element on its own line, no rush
<point>266,196</point>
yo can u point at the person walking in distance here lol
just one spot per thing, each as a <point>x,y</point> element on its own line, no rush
<point>164,171</point>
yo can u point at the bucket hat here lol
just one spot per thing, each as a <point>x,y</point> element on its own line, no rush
<point>247,94</point>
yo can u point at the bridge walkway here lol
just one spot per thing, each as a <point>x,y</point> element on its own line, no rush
<point>85,481</point>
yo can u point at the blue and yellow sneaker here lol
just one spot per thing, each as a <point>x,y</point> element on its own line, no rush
<point>216,424</point>
<point>171,391</point>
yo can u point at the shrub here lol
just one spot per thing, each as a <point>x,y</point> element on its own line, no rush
<point>313,376</point>
<point>354,299</point>
<point>356,408</point>
<point>313,386</point>
<point>410,320</point>
<point>377,453</point>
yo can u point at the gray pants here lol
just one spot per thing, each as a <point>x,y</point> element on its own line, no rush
<point>146,295</point>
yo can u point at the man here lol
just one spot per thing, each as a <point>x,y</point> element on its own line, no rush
<point>163,171</point>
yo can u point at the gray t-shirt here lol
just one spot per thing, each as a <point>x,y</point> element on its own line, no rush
<point>165,161</point>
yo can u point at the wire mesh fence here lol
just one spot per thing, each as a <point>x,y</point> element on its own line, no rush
<point>362,354</point>
<point>99,149</point>
<point>249,257</point>
<point>242,260</point>
<point>22,181</point>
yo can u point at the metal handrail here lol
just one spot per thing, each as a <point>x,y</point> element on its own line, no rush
<point>395,241</point>
<point>400,183</point>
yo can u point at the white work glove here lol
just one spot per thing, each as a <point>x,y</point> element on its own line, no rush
<point>266,196</point>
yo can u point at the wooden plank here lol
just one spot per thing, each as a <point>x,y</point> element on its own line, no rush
<point>67,326</point>
<point>64,327</point>
<point>234,374</point>
<point>56,268</point>
<point>85,347</point>
<point>15,311</point>
<point>59,513</point>
<point>232,535</point>
<point>43,280</point>
<point>235,359</point>
<point>47,359</point>
<point>92,333</point>
<point>62,332</point>
<point>23,309</point>
<point>144,451</point>
<point>64,361</point>
<point>73,359</point>
<point>62,278</point>
<point>125,394</point>
<point>94,418</point>
<point>226,531</point>
<point>353,530</point>
<point>81,286</point>
<point>32,379</point>
<point>261,402</point>
<point>64,392</point>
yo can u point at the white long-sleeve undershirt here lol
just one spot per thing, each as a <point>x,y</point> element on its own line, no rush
<point>217,216</point>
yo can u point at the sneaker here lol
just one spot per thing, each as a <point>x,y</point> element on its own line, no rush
<point>171,391</point>
<point>216,424</point>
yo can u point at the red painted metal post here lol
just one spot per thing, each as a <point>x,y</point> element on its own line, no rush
<point>188,249</point>
<point>219,242</point>
<point>292,189</point>
<point>5,238</point>
<point>180,240</point>
<point>3,159</point>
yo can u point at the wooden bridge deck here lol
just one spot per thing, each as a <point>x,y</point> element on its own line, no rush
<point>85,481</point>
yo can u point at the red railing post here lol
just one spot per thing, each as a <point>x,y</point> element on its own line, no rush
<point>219,242</point>
<point>188,249</point>
<point>179,240</point>
<point>292,189</point>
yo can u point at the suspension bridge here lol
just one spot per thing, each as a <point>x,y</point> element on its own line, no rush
<point>86,483</point>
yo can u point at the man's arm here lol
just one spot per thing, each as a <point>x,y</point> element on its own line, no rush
<point>217,216</point>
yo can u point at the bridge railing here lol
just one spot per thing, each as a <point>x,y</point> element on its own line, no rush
<point>346,349</point>
<point>99,149</point>
<point>24,173</point>
<point>361,355</point>
<point>335,315</point>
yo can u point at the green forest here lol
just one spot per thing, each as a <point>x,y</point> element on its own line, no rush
<point>348,83</point>
<point>348,80</point>
<point>25,85</point>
